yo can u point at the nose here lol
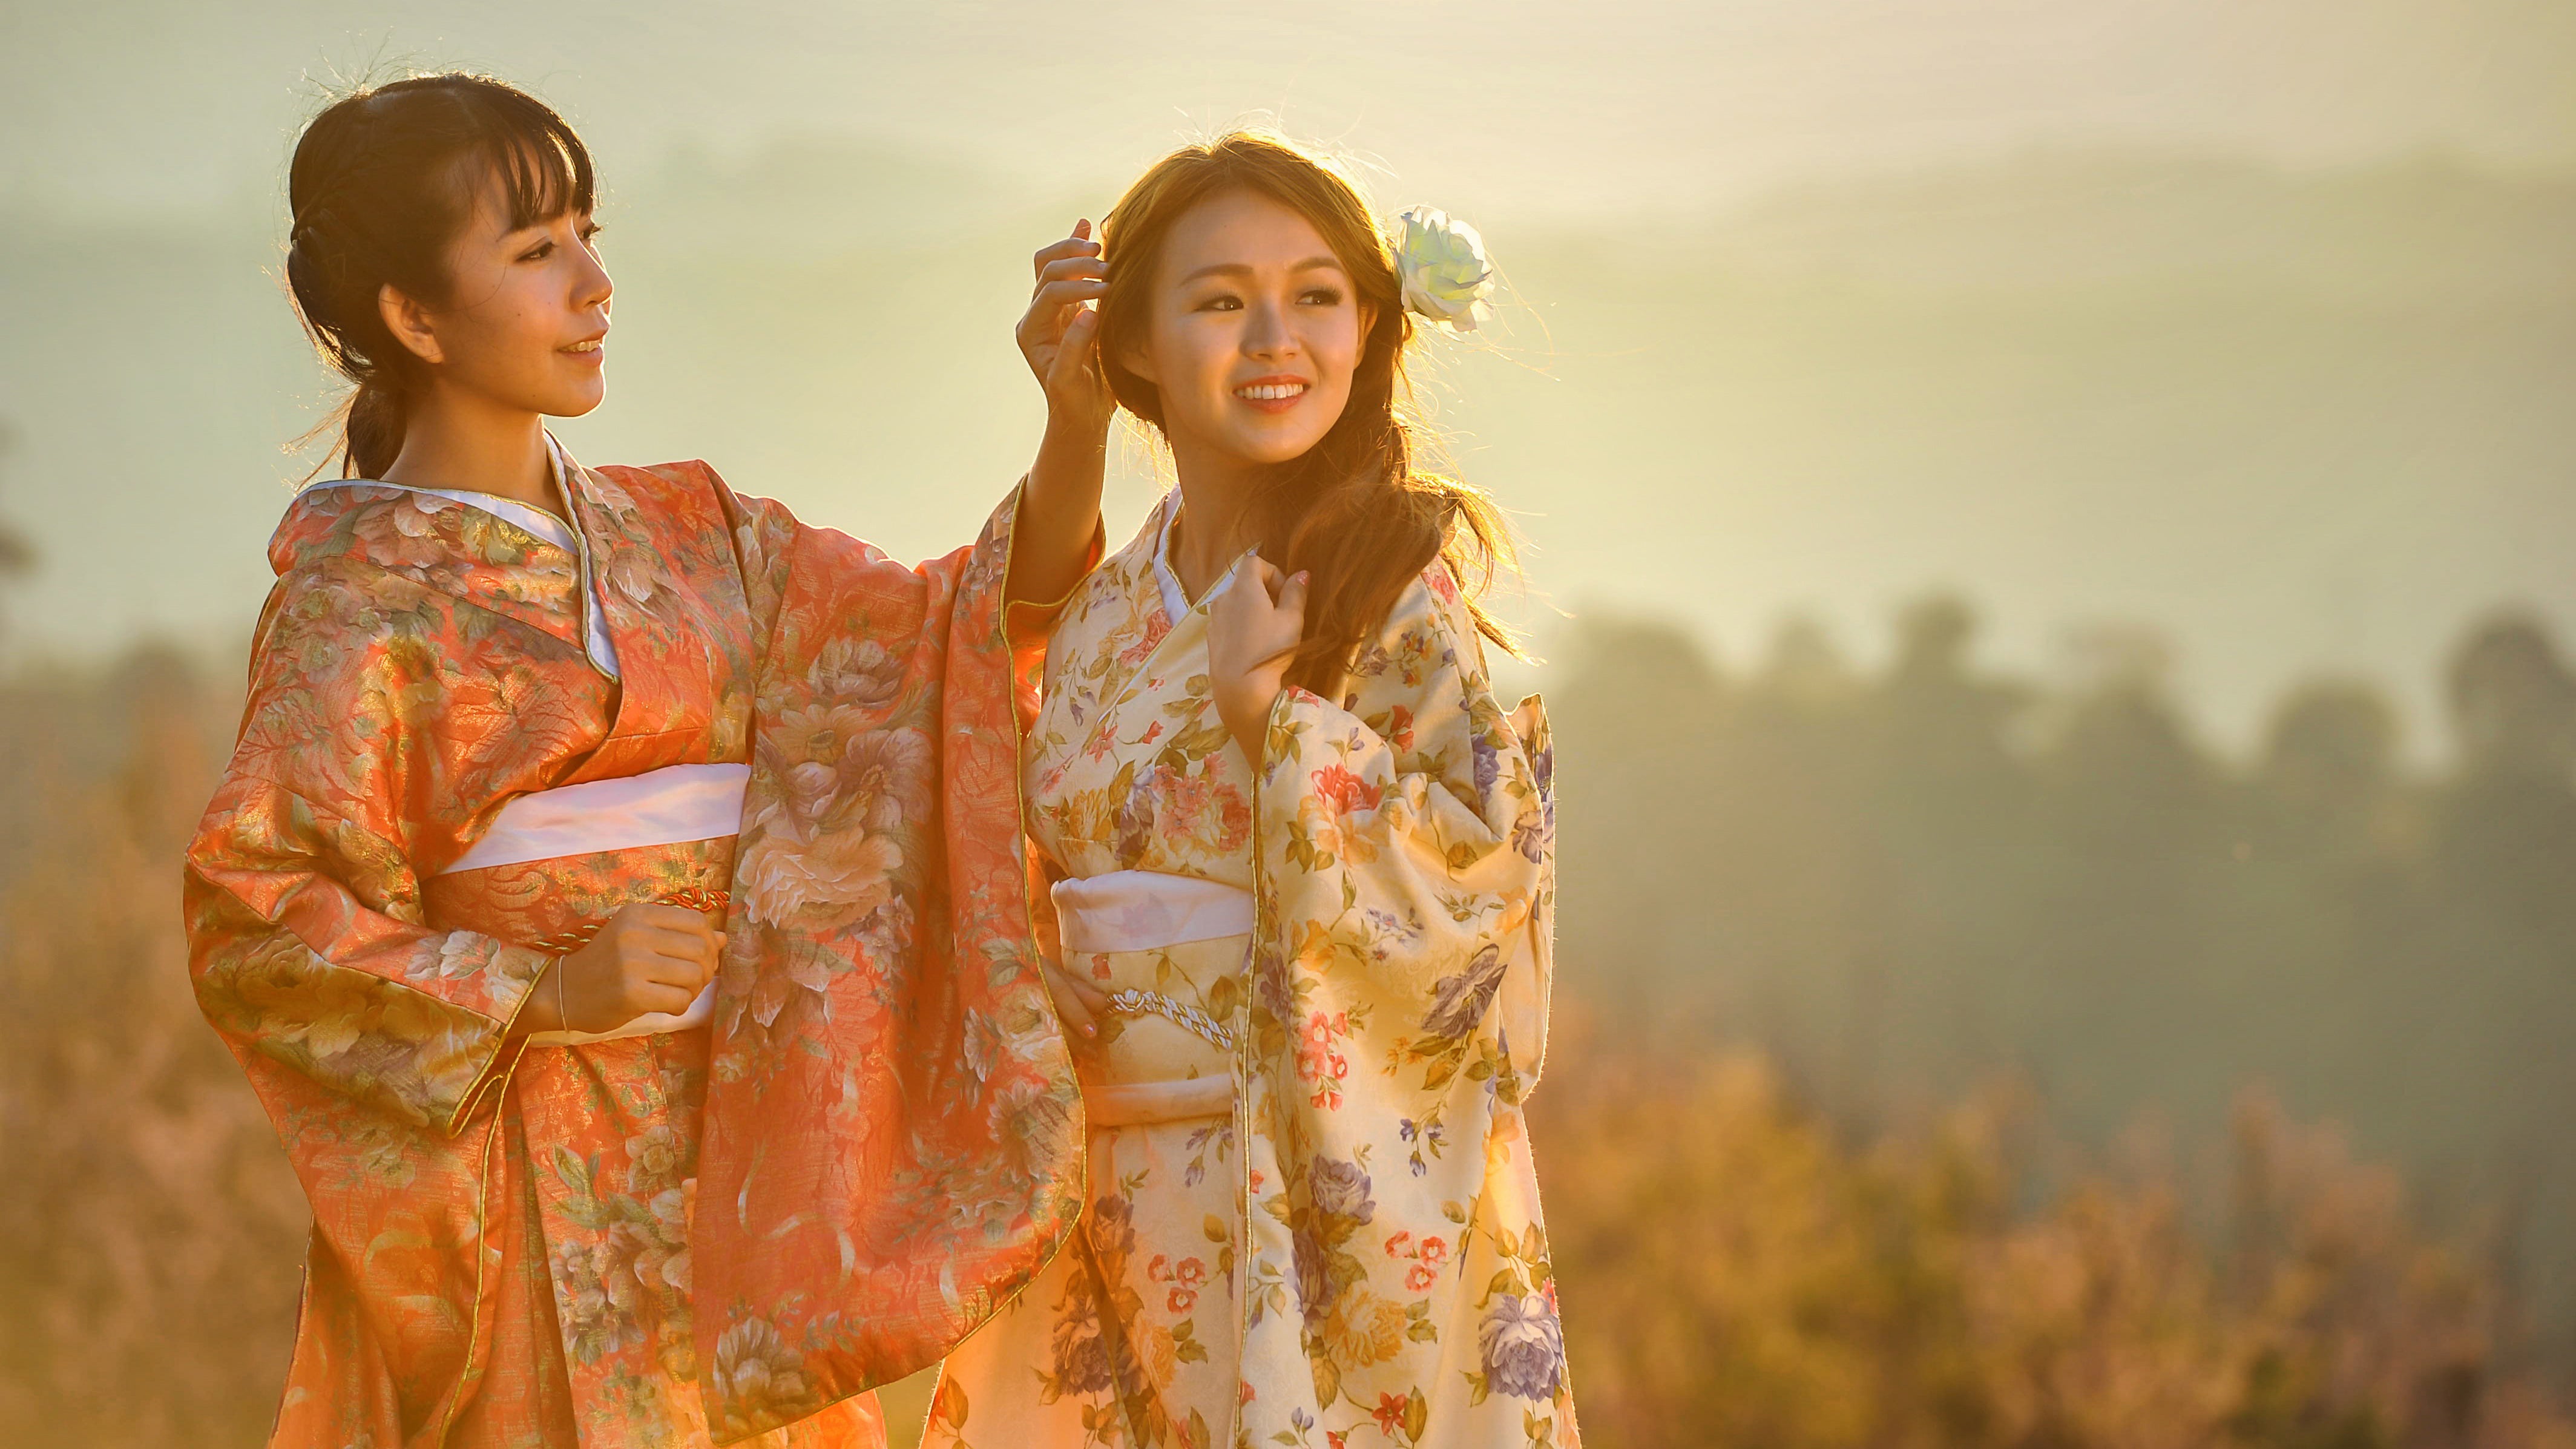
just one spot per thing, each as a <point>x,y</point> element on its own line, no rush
<point>1266,333</point>
<point>591,286</point>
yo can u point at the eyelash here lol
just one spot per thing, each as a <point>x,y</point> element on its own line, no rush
<point>545,249</point>
<point>1321,296</point>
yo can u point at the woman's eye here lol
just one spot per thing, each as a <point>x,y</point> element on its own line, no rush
<point>1323,297</point>
<point>1222,303</point>
<point>538,253</point>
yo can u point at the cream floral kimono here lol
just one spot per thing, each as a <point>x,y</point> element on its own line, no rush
<point>1312,1216</point>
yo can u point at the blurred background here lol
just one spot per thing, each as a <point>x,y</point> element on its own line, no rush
<point>2051,526</point>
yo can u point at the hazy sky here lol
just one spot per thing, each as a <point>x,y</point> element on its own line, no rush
<point>1620,104</point>
<point>2040,391</point>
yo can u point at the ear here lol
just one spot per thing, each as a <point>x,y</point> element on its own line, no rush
<point>1133,356</point>
<point>1368,320</point>
<point>409,322</point>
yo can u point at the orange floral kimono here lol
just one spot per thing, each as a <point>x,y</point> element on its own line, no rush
<point>1313,1217</point>
<point>473,733</point>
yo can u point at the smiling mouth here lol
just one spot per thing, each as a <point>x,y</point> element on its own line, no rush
<point>587,345</point>
<point>1270,391</point>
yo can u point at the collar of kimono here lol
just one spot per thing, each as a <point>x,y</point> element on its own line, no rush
<point>1176,600</point>
<point>440,541</point>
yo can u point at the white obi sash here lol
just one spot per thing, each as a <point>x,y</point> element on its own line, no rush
<point>1139,910</point>
<point>1142,910</point>
<point>669,806</point>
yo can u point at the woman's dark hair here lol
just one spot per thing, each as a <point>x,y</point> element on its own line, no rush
<point>1355,513</point>
<point>382,182</point>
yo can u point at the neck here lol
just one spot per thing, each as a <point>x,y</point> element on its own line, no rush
<point>466,443</point>
<point>1215,493</point>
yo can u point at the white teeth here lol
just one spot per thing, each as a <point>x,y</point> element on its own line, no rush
<point>1270,391</point>
<point>591,346</point>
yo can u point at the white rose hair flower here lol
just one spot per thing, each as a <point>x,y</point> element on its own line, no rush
<point>1441,262</point>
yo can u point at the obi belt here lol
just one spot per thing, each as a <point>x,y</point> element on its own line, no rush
<point>558,863</point>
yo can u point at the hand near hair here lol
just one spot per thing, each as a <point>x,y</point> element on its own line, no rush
<point>1253,631</point>
<point>1060,334</point>
<point>1060,337</point>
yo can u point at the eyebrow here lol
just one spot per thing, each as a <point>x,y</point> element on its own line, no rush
<point>1238,269</point>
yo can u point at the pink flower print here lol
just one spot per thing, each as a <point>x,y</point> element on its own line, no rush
<point>1156,626</point>
<point>1318,1064</point>
<point>1427,1256</point>
<point>1185,1277</point>
<point>1347,792</point>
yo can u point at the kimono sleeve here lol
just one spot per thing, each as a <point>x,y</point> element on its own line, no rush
<point>1407,864</point>
<point>306,940</point>
<point>893,1126</point>
<point>768,537</point>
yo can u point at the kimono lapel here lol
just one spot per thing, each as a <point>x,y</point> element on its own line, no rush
<point>671,594</point>
<point>1172,632</point>
<point>448,547</point>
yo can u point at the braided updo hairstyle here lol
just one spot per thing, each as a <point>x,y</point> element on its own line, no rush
<point>383,180</point>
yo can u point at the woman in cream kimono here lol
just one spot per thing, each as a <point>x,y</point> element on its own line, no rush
<point>1305,878</point>
<point>529,749</point>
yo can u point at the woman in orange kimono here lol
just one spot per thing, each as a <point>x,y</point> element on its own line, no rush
<point>1306,866</point>
<point>617,896</point>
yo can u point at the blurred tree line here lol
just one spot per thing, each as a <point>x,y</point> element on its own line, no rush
<point>1896,882</point>
<point>1807,913</point>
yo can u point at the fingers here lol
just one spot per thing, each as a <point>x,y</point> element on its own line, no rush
<point>1076,1001</point>
<point>648,997</point>
<point>1067,268</point>
<point>1095,1001</point>
<point>1051,301</point>
<point>1292,597</point>
<point>1079,336</point>
<point>673,965</point>
<point>1079,244</point>
<point>664,918</point>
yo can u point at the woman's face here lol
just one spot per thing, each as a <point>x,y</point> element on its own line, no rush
<point>525,326</point>
<point>1254,330</point>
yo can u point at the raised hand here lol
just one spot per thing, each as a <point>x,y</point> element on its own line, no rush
<point>1254,628</point>
<point>646,959</point>
<point>1060,333</point>
<point>1060,337</point>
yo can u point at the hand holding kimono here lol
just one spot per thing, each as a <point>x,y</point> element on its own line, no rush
<point>474,732</point>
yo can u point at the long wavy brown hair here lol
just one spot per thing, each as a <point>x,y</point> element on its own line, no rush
<point>1355,512</point>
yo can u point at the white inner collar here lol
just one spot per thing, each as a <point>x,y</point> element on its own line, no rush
<point>596,641</point>
<point>1176,601</point>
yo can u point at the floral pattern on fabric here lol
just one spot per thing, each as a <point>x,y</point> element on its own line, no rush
<point>1375,1240</point>
<point>893,1125</point>
<point>508,1247</point>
